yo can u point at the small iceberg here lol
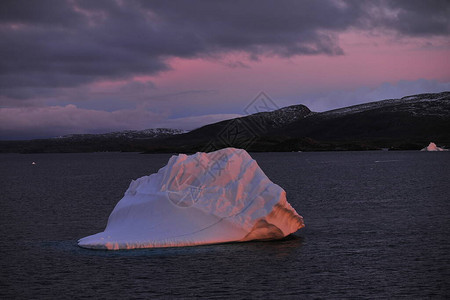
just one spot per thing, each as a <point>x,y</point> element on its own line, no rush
<point>204,198</point>
<point>432,147</point>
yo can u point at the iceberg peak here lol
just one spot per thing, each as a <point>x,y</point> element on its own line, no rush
<point>432,147</point>
<point>199,199</point>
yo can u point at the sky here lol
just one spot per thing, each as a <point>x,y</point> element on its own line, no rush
<point>81,66</point>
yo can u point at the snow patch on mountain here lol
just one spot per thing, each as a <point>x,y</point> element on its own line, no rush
<point>129,134</point>
<point>411,104</point>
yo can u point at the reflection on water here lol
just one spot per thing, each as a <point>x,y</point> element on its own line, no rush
<point>276,249</point>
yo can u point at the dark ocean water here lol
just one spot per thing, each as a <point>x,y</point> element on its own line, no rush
<point>377,226</point>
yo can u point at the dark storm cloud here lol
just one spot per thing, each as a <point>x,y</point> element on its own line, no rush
<point>413,17</point>
<point>60,43</point>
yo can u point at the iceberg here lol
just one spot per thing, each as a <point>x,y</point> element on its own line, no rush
<point>199,199</point>
<point>432,147</point>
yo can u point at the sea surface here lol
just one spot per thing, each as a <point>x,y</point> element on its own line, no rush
<point>377,226</point>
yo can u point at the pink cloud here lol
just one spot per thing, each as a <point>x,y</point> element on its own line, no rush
<point>205,90</point>
<point>369,60</point>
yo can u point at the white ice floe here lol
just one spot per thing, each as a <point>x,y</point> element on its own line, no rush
<point>205,198</point>
<point>432,147</point>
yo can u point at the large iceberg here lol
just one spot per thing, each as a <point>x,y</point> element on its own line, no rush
<point>205,198</point>
<point>432,147</point>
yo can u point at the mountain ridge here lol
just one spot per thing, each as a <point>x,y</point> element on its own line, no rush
<point>410,122</point>
<point>405,123</point>
<point>129,134</point>
<point>427,97</point>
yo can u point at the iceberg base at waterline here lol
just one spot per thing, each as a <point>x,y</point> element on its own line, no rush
<point>200,199</point>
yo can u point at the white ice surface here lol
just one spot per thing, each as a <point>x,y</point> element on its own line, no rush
<point>432,147</point>
<point>205,198</point>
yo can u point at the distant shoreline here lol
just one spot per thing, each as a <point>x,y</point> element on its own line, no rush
<point>408,123</point>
